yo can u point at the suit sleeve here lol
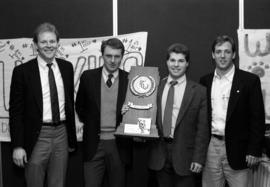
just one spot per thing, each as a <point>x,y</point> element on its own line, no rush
<point>203,131</point>
<point>80,100</point>
<point>73,139</point>
<point>202,81</point>
<point>16,107</point>
<point>257,119</point>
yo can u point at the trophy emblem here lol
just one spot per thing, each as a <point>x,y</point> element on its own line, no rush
<point>143,85</point>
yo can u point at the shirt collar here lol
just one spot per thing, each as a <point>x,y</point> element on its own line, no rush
<point>106,73</point>
<point>179,80</point>
<point>228,76</point>
<point>43,64</point>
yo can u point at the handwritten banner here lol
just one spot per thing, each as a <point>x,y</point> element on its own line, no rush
<point>83,53</point>
<point>254,55</point>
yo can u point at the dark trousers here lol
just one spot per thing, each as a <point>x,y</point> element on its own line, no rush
<point>106,159</point>
<point>167,177</point>
<point>50,155</point>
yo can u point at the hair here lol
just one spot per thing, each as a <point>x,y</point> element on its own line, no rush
<point>45,27</point>
<point>222,39</point>
<point>114,43</point>
<point>178,48</point>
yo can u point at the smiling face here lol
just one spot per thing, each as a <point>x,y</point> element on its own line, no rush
<point>47,45</point>
<point>177,65</point>
<point>112,58</point>
<point>223,56</point>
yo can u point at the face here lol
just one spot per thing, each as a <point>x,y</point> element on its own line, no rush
<point>177,65</point>
<point>112,59</point>
<point>223,56</point>
<point>47,45</point>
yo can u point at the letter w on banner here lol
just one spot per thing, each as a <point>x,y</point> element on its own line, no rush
<point>254,56</point>
<point>84,53</point>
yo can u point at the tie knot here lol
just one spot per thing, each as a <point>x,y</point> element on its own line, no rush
<point>49,65</point>
<point>110,76</point>
<point>173,83</point>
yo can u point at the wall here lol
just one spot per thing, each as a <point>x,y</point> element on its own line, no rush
<point>193,22</point>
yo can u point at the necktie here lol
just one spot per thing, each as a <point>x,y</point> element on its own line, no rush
<point>109,81</point>
<point>54,96</point>
<point>167,119</point>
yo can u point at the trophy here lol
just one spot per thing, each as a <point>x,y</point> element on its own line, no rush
<point>140,119</point>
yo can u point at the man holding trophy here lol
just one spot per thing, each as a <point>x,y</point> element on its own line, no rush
<point>100,97</point>
<point>180,151</point>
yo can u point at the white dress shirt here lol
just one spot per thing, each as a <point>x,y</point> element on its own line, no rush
<point>43,71</point>
<point>105,75</point>
<point>220,94</point>
<point>179,90</point>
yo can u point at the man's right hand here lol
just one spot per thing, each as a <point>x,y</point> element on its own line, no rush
<point>19,156</point>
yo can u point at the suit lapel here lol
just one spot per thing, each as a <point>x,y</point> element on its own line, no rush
<point>36,83</point>
<point>208,85</point>
<point>159,104</point>
<point>234,94</point>
<point>187,98</point>
<point>96,79</point>
<point>121,92</point>
<point>65,78</point>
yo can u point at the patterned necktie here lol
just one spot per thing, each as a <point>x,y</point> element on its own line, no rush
<point>109,81</point>
<point>167,119</point>
<point>54,96</point>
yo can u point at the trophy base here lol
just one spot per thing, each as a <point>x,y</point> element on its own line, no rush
<point>120,132</point>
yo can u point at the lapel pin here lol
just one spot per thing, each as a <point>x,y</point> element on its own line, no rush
<point>238,91</point>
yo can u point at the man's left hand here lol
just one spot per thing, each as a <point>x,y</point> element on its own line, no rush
<point>196,167</point>
<point>71,149</point>
<point>124,109</point>
<point>252,161</point>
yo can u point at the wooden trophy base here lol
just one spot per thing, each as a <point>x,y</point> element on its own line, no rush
<point>120,132</point>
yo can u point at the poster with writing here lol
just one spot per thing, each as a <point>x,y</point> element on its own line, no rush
<point>83,53</point>
<point>254,56</point>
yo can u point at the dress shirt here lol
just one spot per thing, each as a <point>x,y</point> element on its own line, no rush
<point>105,75</point>
<point>43,70</point>
<point>179,90</point>
<point>220,94</point>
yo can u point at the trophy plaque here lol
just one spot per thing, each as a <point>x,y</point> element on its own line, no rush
<point>140,119</point>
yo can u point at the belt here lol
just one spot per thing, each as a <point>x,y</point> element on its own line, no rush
<point>54,124</point>
<point>168,140</point>
<point>219,137</point>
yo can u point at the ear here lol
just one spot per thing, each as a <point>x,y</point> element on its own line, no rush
<point>233,57</point>
<point>35,46</point>
<point>167,62</point>
<point>213,55</point>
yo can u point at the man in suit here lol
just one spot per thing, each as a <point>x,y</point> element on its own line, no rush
<point>180,152</point>
<point>100,97</point>
<point>42,124</point>
<point>236,114</point>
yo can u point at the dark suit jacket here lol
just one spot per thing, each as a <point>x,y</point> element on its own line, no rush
<point>88,109</point>
<point>191,135</point>
<point>26,106</point>
<point>245,121</point>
